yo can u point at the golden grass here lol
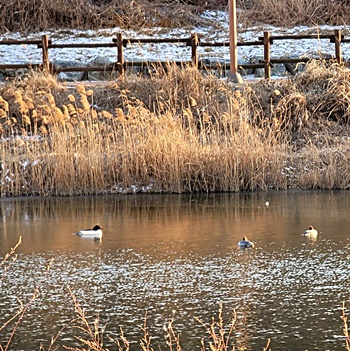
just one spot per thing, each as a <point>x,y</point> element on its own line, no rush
<point>219,335</point>
<point>344,318</point>
<point>24,15</point>
<point>39,15</point>
<point>297,12</point>
<point>175,132</point>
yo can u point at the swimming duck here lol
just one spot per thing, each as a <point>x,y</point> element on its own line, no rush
<point>310,232</point>
<point>245,243</point>
<point>94,233</point>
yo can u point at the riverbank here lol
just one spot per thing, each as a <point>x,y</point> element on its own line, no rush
<point>176,131</point>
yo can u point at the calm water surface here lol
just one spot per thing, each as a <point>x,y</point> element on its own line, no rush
<point>176,257</point>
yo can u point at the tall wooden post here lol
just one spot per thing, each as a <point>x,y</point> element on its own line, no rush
<point>337,41</point>
<point>267,58</point>
<point>234,75</point>
<point>120,58</point>
<point>45,52</point>
<point>233,36</point>
<point>194,54</point>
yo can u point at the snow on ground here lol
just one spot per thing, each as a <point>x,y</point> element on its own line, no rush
<point>216,31</point>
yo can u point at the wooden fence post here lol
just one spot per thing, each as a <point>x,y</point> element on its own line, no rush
<point>194,53</point>
<point>337,41</point>
<point>120,53</point>
<point>267,49</point>
<point>45,52</point>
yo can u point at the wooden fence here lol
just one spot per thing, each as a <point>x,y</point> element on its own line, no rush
<point>120,65</point>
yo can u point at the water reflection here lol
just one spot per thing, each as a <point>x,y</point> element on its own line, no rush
<point>169,253</point>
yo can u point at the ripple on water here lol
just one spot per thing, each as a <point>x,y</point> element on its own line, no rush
<point>286,290</point>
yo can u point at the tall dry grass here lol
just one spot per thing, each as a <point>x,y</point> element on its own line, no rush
<point>344,318</point>
<point>39,15</point>
<point>85,149</point>
<point>220,334</point>
<point>175,132</point>
<point>298,12</point>
<point>31,16</point>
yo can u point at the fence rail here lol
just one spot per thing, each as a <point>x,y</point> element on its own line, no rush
<point>120,43</point>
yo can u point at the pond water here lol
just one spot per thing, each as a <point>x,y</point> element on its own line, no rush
<point>175,258</point>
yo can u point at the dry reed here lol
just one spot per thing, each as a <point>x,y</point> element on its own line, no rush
<point>221,339</point>
<point>29,16</point>
<point>177,131</point>
<point>297,12</point>
<point>344,318</point>
<point>9,259</point>
<point>13,322</point>
<point>220,335</point>
<point>91,335</point>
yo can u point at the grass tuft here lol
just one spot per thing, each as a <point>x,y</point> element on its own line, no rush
<point>178,131</point>
<point>34,16</point>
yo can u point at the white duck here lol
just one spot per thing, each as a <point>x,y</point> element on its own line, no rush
<point>245,243</point>
<point>94,233</point>
<point>311,232</point>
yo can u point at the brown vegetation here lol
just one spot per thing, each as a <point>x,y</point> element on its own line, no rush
<point>39,15</point>
<point>174,132</point>
<point>296,12</point>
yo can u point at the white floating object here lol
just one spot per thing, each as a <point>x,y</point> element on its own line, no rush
<point>94,233</point>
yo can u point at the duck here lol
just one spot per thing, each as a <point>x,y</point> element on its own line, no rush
<point>245,243</point>
<point>310,232</point>
<point>94,233</point>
